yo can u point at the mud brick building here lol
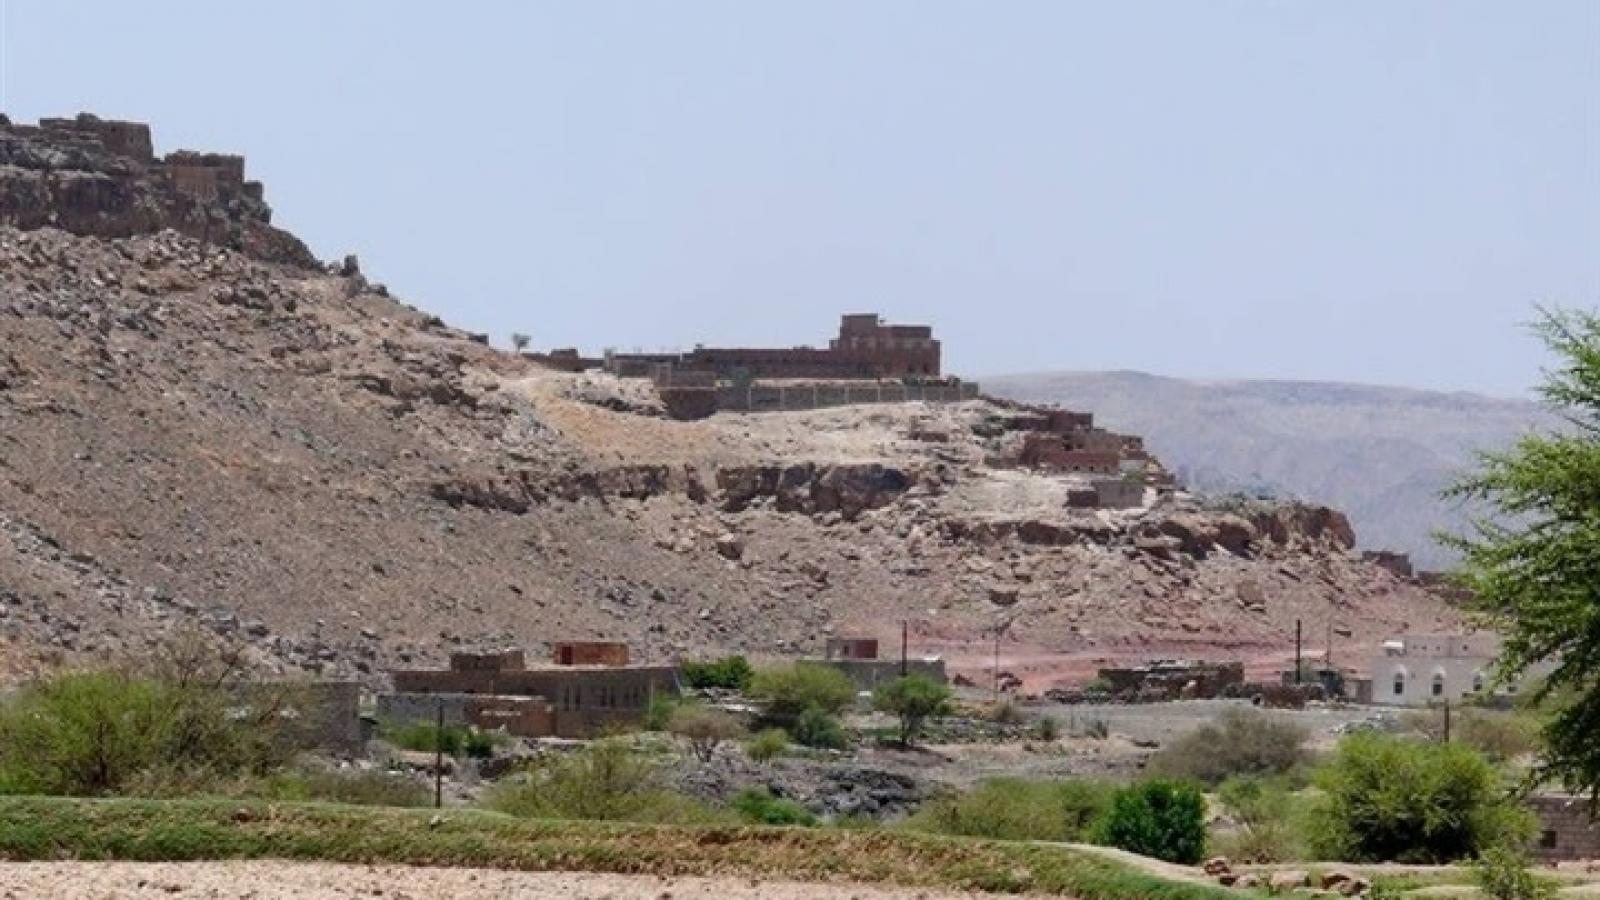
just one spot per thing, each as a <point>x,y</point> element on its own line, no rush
<point>587,687</point>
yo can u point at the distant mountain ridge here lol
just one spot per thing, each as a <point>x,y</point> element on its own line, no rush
<point>1381,454</point>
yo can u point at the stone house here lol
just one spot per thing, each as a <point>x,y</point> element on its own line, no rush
<point>588,687</point>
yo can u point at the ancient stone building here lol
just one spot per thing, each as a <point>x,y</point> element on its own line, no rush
<point>101,178</point>
<point>866,348</point>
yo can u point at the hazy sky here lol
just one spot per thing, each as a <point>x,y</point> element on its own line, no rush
<point>1373,191</point>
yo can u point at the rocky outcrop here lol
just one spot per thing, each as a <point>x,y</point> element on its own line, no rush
<point>1318,524</point>
<point>11,373</point>
<point>101,178</point>
<point>808,488</point>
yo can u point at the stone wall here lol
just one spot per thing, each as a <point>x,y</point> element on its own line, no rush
<point>1566,830</point>
<point>820,395</point>
<point>521,716</point>
<point>869,673</point>
<point>585,700</point>
<point>320,715</point>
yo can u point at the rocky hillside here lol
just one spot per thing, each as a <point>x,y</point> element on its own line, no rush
<point>195,436</point>
<point>1382,454</point>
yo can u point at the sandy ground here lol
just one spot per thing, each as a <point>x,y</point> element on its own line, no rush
<point>270,880</point>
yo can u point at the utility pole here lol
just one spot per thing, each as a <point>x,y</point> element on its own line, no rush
<point>438,756</point>
<point>997,630</point>
<point>1447,721</point>
<point>905,632</point>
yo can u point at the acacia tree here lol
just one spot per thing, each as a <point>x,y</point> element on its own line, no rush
<point>1533,564</point>
<point>914,698</point>
<point>520,341</point>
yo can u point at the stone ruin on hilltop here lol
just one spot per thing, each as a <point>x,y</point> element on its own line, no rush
<point>101,178</point>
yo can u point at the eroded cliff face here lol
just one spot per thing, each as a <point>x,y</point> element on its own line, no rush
<point>102,178</point>
<point>200,435</point>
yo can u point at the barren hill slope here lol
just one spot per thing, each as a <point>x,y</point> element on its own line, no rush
<point>288,456</point>
<point>1382,454</point>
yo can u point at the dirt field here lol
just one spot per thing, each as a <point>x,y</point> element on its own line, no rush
<point>318,881</point>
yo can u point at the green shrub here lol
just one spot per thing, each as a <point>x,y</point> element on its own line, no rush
<point>1013,809</point>
<point>99,733</point>
<point>1004,713</point>
<point>1265,811</point>
<point>1097,729</point>
<point>791,691</point>
<point>815,728</point>
<point>1161,818</point>
<point>914,699</point>
<point>1239,742</point>
<point>368,788</point>
<point>731,673</point>
<point>1499,735</point>
<point>759,807</point>
<point>1504,874</point>
<point>607,781</point>
<point>767,744</point>
<point>1045,728</point>
<point>452,740</point>
<point>658,709</point>
<point>704,728</point>
<point>1390,799</point>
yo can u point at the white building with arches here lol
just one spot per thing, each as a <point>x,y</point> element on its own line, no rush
<point>1419,669</point>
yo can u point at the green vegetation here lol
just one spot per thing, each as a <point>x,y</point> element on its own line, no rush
<point>1391,799</point>
<point>99,733</point>
<point>759,807</point>
<point>1160,818</point>
<point>1504,874</point>
<point>370,788</point>
<point>732,673</point>
<point>704,728</point>
<point>452,740</point>
<point>790,691</point>
<point>1531,566</point>
<point>1045,728</point>
<point>1013,809</point>
<point>821,730</point>
<point>1239,742</point>
<point>1501,735</point>
<point>37,828</point>
<point>914,699</point>
<point>805,699</point>
<point>606,781</point>
<point>1005,712</point>
<point>1266,815</point>
<point>767,744</point>
<point>658,709</point>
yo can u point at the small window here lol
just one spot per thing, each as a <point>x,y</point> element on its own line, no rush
<point>1477,682</point>
<point>1547,839</point>
<point>1399,684</point>
<point>1438,685</point>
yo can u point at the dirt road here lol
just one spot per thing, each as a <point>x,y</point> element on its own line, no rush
<point>272,880</point>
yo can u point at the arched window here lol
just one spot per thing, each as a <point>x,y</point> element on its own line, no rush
<point>1477,682</point>
<point>1399,682</point>
<point>1438,684</point>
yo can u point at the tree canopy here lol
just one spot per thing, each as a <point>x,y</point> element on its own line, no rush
<point>1533,562</point>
